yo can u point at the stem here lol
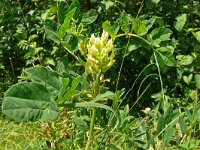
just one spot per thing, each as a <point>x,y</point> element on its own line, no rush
<point>90,138</point>
<point>96,92</point>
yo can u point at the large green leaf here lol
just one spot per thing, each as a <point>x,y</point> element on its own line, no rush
<point>66,24</point>
<point>180,22</point>
<point>29,101</point>
<point>158,35</point>
<point>47,77</point>
<point>89,17</point>
<point>139,27</point>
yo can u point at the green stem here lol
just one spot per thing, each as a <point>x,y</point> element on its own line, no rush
<point>90,138</point>
<point>92,123</point>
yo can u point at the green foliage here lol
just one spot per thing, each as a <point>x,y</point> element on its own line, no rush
<point>58,69</point>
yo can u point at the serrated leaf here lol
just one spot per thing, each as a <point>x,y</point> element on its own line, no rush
<point>160,34</point>
<point>50,28</point>
<point>184,60</point>
<point>29,101</point>
<point>139,27</point>
<point>180,22</point>
<point>66,24</point>
<point>89,17</point>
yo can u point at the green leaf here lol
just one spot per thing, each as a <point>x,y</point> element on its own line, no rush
<point>66,24</point>
<point>75,4</point>
<point>102,96</point>
<point>62,11</point>
<point>183,125</point>
<point>87,104</point>
<point>180,22</point>
<point>49,78</point>
<point>169,132</point>
<point>80,123</point>
<point>184,60</point>
<point>107,27</point>
<point>188,79</point>
<point>108,4</point>
<point>166,54</point>
<point>197,80</point>
<point>149,23</point>
<point>123,22</point>
<point>89,17</point>
<point>189,115</point>
<point>50,28</point>
<point>160,34</point>
<point>196,35</point>
<point>150,138</point>
<point>160,126</point>
<point>155,1</point>
<point>29,102</point>
<point>71,90</point>
<point>168,115</point>
<point>139,27</point>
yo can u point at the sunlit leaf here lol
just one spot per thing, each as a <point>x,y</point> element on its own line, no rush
<point>139,27</point>
<point>180,22</point>
<point>184,60</point>
<point>197,35</point>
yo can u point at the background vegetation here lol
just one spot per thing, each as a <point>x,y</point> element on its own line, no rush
<point>148,99</point>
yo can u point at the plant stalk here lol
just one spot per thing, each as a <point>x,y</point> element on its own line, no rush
<point>90,138</point>
<point>96,92</point>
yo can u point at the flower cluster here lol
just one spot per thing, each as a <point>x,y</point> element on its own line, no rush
<point>99,53</point>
